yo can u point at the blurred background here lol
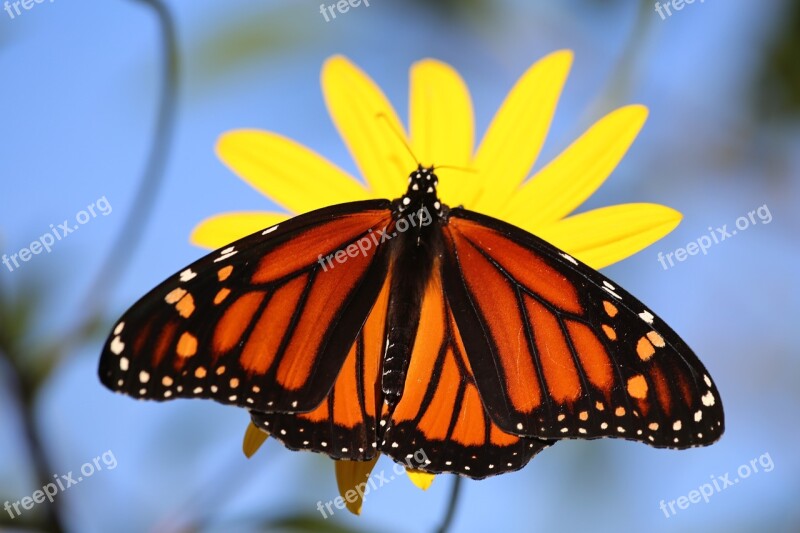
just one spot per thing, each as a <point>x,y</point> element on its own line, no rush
<point>83,87</point>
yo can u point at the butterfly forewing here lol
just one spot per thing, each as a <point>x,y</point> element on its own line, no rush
<point>344,425</point>
<point>265,323</point>
<point>559,351</point>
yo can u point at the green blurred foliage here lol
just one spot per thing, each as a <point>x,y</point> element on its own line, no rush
<point>778,86</point>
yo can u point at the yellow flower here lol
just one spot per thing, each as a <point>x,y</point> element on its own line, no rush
<point>441,131</point>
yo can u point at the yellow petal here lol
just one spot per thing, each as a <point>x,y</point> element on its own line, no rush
<point>219,230</point>
<point>442,127</point>
<point>351,477</point>
<point>287,172</point>
<point>518,130</point>
<point>567,181</point>
<point>419,478</point>
<point>355,104</point>
<point>254,437</point>
<point>604,236</point>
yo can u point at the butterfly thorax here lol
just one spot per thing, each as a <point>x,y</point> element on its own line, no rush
<point>421,193</point>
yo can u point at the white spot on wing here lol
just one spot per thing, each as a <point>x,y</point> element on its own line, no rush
<point>612,293</point>
<point>647,316</point>
<point>708,399</point>
<point>121,325</point>
<point>187,274</point>
<point>569,258</point>
<point>225,254</point>
<point>270,230</point>
<point>116,346</point>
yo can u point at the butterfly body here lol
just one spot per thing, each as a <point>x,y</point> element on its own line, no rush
<point>398,326</point>
<point>417,243</point>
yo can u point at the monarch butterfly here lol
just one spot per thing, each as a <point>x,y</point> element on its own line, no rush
<point>391,326</point>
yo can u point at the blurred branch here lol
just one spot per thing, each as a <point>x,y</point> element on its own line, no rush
<point>26,371</point>
<point>623,74</point>
<point>30,365</point>
<point>455,491</point>
<point>119,256</point>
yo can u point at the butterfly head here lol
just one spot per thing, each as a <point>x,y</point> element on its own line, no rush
<point>421,192</point>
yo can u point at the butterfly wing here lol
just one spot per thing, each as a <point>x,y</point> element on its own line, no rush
<point>560,351</point>
<point>265,323</point>
<point>440,414</point>
<point>344,425</point>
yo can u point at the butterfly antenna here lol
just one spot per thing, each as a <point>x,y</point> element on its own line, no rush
<point>411,152</point>
<point>462,169</point>
<point>400,136</point>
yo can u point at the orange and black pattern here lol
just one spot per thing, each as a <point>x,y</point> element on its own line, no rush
<point>242,325</point>
<point>441,411</point>
<point>393,327</point>
<point>569,354</point>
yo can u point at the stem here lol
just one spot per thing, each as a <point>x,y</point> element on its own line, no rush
<point>25,381</point>
<point>23,392</point>
<point>451,506</point>
<point>118,258</point>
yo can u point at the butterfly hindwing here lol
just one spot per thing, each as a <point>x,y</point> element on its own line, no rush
<point>559,351</point>
<point>265,323</point>
<point>440,415</point>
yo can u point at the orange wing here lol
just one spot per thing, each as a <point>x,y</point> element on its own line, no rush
<point>265,323</point>
<point>559,351</point>
<point>441,413</point>
<point>344,425</point>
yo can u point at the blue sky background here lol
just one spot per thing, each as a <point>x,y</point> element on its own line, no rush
<point>78,99</point>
